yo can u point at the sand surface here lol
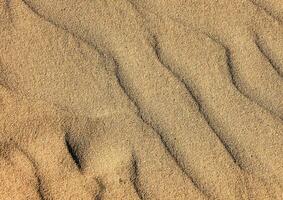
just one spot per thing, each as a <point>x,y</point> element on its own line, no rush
<point>141,99</point>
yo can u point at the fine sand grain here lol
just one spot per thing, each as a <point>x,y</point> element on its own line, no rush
<point>141,99</point>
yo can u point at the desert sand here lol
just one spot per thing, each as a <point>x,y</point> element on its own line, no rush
<point>141,99</point>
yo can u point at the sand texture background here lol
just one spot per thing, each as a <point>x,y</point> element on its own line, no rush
<point>141,99</point>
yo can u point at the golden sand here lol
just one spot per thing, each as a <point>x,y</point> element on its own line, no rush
<point>141,99</point>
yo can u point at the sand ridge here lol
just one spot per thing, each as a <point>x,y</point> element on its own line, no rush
<point>141,100</point>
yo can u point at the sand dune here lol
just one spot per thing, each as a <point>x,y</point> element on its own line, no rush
<point>141,99</point>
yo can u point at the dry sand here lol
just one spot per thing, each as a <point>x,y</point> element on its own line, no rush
<point>141,99</point>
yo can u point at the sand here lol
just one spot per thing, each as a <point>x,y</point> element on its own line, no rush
<point>141,99</point>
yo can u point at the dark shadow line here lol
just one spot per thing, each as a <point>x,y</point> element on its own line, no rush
<point>172,153</point>
<point>7,8</point>
<point>73,153</point>
<point>40,189</point>
<point>218,41</point>
<point>101,191</point>
<point>62,27</point>
<point>230,65</point>
<point>116,73</point>
<point>196,100</point>
<point>135,178</point>
<point>118,79</point>
<point>266,10</point>
<point>268,57</point>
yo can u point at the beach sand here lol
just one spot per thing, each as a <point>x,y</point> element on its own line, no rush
<point>141,99</point>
